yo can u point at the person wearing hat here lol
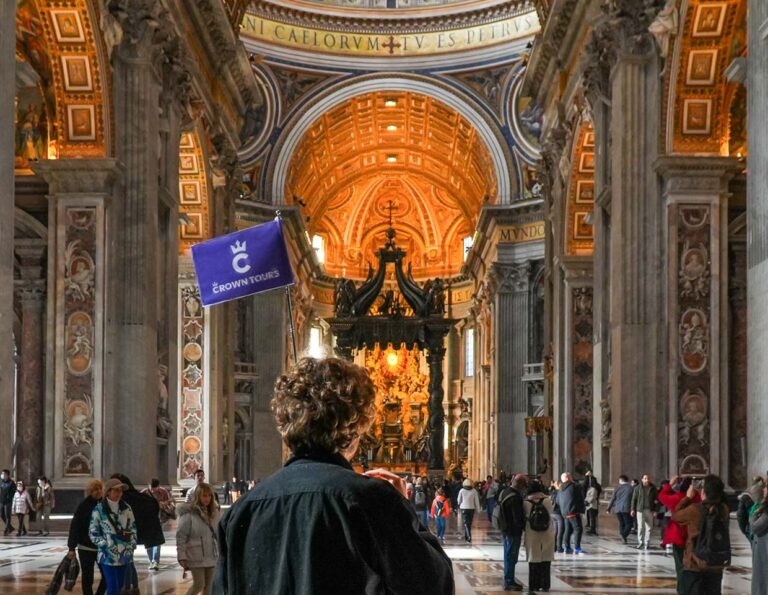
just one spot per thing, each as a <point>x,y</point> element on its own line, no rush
<point>113,532</point>
<point>469,502</point>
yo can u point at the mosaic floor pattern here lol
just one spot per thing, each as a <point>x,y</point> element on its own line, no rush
<point>27,564</point>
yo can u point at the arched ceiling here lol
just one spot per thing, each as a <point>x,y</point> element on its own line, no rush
<point>391,146</point>
<point>707,113</point>
<point>579,232</point>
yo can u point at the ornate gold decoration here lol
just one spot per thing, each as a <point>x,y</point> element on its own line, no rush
<point>421,155</point>
<point>713,36</point>
<point>579,239</point>
<point>537,425</point>
<point>402,391</point>
<point>193,193</point>
<point>77,74</point>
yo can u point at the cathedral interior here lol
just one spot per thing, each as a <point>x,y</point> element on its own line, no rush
<point>539,224</point>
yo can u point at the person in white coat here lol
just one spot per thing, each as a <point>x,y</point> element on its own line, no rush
<point>22,506</point>
<point>539,544</point>
<point>468,502</point>
<point>196,545</point>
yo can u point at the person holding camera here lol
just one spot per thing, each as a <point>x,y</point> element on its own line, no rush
<point>316,526</point>
<point>113,532</point>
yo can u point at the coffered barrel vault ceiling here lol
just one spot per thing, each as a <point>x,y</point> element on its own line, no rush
<point>391,146</point>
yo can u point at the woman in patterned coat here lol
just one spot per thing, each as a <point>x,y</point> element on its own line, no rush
<point>113,532</point>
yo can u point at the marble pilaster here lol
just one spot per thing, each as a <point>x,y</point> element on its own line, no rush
<point>80,411</point>
<point>578,308</point>
<point>757,237</point>
<point>696,196</point>
<point>7,191</point>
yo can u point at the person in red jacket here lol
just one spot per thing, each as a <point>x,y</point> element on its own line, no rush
<point>675,534</point>
<point>441,509</point>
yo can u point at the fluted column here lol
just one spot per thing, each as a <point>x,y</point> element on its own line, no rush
<point>132,327</point>
<point>29,420</point>
<point>757,238</point>
<point>511,334</point>
<point>638,329</point>
<point>7,110</point>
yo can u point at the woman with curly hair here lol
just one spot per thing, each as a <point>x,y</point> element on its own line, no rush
<point>316,526</point>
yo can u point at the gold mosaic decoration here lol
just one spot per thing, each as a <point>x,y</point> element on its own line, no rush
<point>193,193</point>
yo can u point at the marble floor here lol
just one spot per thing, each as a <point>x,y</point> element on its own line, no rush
<point>27,564</point>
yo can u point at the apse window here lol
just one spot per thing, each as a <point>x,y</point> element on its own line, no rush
<point>469,352</point>
<point>468,242</point>
<point>318,244</point>
<point>316,349</point>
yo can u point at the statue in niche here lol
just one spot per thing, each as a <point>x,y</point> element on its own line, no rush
<point>606,429</point>
<point>29,135</point>
<point>664,26</point>
<point>164,425</point>
<point>225,432</point>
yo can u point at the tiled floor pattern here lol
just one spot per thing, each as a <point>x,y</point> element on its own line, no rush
<point>27,564</point>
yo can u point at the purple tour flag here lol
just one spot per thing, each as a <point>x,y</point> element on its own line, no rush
<point>242,263</point>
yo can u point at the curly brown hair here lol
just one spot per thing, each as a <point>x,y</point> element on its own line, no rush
<point>323,405</point>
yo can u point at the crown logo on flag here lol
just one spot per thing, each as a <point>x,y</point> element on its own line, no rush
<point>238,247</point>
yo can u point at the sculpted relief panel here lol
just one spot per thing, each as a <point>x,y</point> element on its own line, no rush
<point>694,338</point>
<point>79,340</point>
<point>192,384</point>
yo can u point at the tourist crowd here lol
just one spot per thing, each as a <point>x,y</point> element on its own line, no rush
<point>351,533</point>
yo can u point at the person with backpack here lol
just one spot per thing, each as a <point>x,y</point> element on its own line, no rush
<point>675,535</point>
<point>539,537</point>
<point>468,502</point>
<point>420,502</point>
<point>441,509</point>
<point>510,520</point>
<point>758,528</point>
<point>708,545</point>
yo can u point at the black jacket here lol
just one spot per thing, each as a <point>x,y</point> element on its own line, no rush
<point>316,527</point>
<point>78,528</point>
<point>7,490</point>
<point>570,499</point>
<point>511,502</point>
<point>146,510</point>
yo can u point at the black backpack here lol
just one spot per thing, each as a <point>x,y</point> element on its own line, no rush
<point>439,507</point>
<point>539,517</point>
<point>420,499</point>
<point>713,544</point>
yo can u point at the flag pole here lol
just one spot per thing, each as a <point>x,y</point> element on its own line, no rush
<point>279,217</point>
